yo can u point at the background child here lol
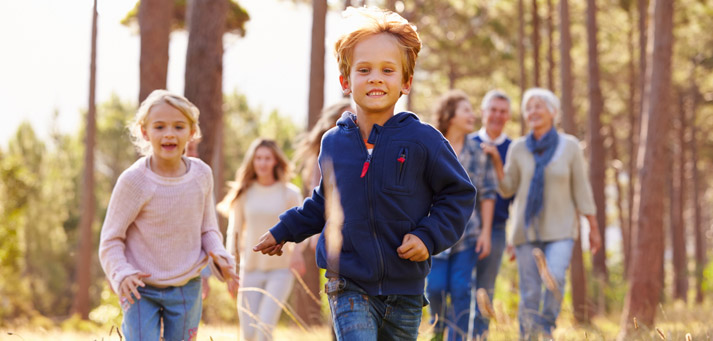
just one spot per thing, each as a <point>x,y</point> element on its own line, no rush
<point>261,192</point>
<point>160,228</point>
<point>403,192</point>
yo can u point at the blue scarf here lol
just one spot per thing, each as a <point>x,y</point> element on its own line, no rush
<point>542,150</point>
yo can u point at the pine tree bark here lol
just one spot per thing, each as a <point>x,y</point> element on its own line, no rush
<point>521,57</point>
<point>596,141</point>
<point>316,74</point>
<point>535,44</point>
<point>550,48</point>
<point>633,124</point>
<point>566,70</point>
<point>155,28</point>
<point>204,73</point>
<point>646,272</point>
<point>678,228</point>
<point>700,239</point>
<point>86,248</point>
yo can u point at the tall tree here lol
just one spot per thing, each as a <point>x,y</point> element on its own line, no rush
<point>632,109</point>
<point>596,143</point>
<point>646,270</point>
<point>700,244</point>
<point>550,47</point>
<point>155,18</point>
<point>535,44</point>
<point>204,75</point>
<point>678,228</point>
<point>579,284</point>
<point>86,248</point>
<point>521,56</point>
<point>316,74</point>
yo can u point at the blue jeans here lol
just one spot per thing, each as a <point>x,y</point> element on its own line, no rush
<point>359,316</point>
<point>179,307</point>
<point>454,276</point>
<point>486,270</point>
<point>535,319</point>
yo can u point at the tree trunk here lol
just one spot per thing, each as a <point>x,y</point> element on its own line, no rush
<point>521,58</point>
<point>596,143</point>
<point>642,6</point>
<point>316,75</point>
<point>678,228</point>
<point>645,289</point>
<point>566,70</point>
<point>632,136</point>
<point>204,72</point>
<point>617,166</point>
<point>550,48</point>
<point>390,5</point>
<point>535,43</point>
<point>699,235</point>
<point>155,28</point>
<point>86,248</point>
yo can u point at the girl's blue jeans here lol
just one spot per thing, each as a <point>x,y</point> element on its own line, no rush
<point>359,316</point>
<point>538,306</point>
<point>179,307</point>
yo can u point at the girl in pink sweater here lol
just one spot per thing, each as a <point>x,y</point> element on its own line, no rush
<point>160,229</point>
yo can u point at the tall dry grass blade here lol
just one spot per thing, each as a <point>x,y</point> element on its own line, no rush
<point>430,327</point>
<point>304,287</point>
<point>284,307</point>
<point>636,324</point>
<point>484,304</point>
<point>111,330</point>
<point>546,275</point>
<point>334,215</point>
<point>661,333</point>
<point>14,334</point>
<point>689,337</point>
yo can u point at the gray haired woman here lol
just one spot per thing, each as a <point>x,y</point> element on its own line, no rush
<point>548,172</point>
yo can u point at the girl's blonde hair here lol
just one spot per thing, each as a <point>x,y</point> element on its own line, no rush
<point>179,102</point>
<point>308,148</point>
<point>246,175</point>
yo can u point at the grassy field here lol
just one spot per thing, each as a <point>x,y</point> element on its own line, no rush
<point>674,321</point>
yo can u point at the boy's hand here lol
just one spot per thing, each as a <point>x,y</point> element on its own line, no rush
<point>413,249</point>
<point>268,245</point>
<point>231,278</point>
<point>130,283</point>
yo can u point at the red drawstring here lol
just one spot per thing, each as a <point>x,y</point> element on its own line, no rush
<point>364,168</point>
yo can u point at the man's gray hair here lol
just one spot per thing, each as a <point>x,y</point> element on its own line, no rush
<point>490,96</point>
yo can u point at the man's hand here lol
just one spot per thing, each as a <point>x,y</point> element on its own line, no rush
<point>231,278</point>
<point>268,245</point>
<point>413,249</point>
<point>130,283</point>
<point>483,246</point>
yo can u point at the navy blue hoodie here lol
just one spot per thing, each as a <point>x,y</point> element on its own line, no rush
<point>427,193</point>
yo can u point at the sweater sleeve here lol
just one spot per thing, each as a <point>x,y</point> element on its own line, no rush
<point>124,206</point>
<point>452,205</point>
<point>236,223</point>
<point>211,238</point>
<point>581,187</point>
<point>299,223</point>
<point>508,186</point>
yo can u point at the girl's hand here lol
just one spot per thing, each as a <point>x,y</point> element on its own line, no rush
<point>413,249</point>
<point>483,246</point>
<point>268,245</point>
<point>231,278</point>
<point>129,284</point>
<point>511,252</point>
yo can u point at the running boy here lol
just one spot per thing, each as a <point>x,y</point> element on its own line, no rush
<point>404,194</point>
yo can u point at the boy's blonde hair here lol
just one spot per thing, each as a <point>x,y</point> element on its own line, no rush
<point>179,102</point>
<point>371,21</point>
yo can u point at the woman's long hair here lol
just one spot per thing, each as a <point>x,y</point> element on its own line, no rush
<point>246,175</point>
<point>308,148</point>
<point>445,109</point>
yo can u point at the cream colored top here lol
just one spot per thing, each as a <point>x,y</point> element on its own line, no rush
<point>567,191</point>
<point>254,213</point>
<point>162,226</point>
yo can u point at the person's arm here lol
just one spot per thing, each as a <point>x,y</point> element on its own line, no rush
<point>452,203</point>
<point>492,151</point>
<point>236,224</point>
<point>584,198</point>
<point>595,238</point>
<point>484,244</point>
<point>124,206</point>
<point>509,180</point>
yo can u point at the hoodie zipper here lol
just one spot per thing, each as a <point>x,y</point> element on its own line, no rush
<point>364,173</point>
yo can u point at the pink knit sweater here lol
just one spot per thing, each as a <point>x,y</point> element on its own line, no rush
<point>162,226</point>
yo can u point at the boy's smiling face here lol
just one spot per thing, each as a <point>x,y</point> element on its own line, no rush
<point>376,75</point>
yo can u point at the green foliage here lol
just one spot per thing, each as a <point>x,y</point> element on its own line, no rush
<point>235,20</point>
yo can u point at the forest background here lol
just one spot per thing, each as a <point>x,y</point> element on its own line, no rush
<point>634,77</point>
